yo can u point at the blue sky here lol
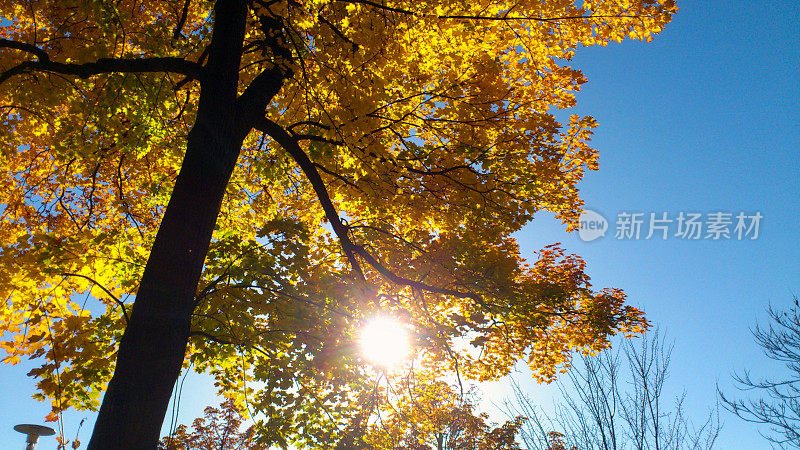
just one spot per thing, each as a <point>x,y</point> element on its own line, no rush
<point>703,119</point>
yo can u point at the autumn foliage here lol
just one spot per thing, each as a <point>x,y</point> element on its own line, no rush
<point>310,165</point>
<point>219,428</point>
<point>428,414</point>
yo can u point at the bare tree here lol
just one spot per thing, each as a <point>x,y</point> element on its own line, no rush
<point>778,402</point>
<point>615,401</point>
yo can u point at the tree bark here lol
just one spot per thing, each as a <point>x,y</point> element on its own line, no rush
<point>153,346</point>
<point>152,349</point>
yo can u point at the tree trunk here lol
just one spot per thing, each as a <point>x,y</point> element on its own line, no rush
<point>153,347</point>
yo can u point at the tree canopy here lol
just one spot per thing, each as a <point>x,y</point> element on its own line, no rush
<point>265,176</point>
<point>429,414</point>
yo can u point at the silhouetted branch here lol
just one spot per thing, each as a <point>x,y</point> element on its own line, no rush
<point>493,18</point>
<point>613,402</point>
<point>307,122</point>
<point>177,32</point>
<point>102,65</point>
<point>285,140</point>
<point>779,406</point>
<point>338,32</point>
<point>103,288</point>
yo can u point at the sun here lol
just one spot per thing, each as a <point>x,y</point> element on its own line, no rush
<point>385,342</point>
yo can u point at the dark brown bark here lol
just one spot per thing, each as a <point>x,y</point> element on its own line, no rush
<point>153,347</point>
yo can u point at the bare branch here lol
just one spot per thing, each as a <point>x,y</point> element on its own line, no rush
<point>779,403</point>
<point>612,402</point>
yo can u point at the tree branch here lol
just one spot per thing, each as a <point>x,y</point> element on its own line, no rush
<point>255,98</point>
<point>315,138</point>
<point>338,33</point>
<point>478,17</point>
<point>383,270</point>
<point>307,122</point>
<point>25,47</point>
<point>102,65</point>
<point>113,297</point>
<point>210,337</point>
<point>178,31</point>
<point>285,140</point>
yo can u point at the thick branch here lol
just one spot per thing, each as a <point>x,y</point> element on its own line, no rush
<point>25,47</point>
<point>286,141</point>
<point>307,122</point>
<point>102,65</point>
<point>253,101</point>
<point>178,31</point>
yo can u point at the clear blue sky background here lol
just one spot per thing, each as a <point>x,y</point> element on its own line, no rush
<point>702,119</point>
